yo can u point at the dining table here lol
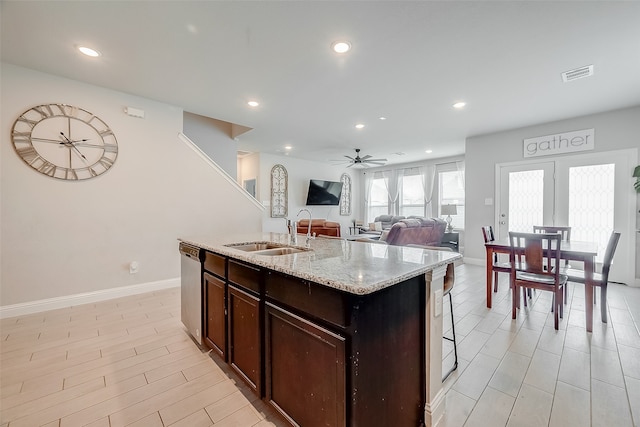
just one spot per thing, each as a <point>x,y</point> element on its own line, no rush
<point>569,250</point>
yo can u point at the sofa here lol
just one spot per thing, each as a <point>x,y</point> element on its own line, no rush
<point>319,227</point>
<point>416,231</point>
<point>380,223</point>
<point>388,220</point>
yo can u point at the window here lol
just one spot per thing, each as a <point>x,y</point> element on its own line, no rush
<point>411,195</point>
<point>378,198</point>
<point>451,192</point>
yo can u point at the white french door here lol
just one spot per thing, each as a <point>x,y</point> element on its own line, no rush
<point>589,192</point>
<point>526,197</point>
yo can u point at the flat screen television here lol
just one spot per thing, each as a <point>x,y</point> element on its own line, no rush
<point>325,193</point>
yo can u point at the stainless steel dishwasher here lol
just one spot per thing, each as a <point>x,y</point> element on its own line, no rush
<point>191,289</point>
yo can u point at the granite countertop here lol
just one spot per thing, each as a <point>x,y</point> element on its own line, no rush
<point>356,267</point>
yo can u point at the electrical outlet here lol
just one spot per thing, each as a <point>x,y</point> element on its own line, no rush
<point>133,267</point>
<point>437,303</point>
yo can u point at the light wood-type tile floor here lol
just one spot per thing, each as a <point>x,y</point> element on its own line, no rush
<point>129,362</point>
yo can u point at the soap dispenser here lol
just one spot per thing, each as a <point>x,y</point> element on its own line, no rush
<point>292,227</point>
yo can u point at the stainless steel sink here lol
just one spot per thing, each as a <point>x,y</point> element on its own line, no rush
<point>254,246</point>
<point>279,251</point>
<point>267,248</point>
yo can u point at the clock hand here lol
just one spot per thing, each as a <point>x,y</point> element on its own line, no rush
<point>68,143</point>
<point>90,145</point>
<point>53,141</point>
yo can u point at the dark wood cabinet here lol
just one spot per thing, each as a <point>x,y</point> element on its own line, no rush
<point>244,336</point>
<point>305,370</point>
<point>318,355</point>
<point>215,310</point>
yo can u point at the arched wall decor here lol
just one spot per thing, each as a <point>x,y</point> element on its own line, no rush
<point>345,197</point>
<point>279,192</point>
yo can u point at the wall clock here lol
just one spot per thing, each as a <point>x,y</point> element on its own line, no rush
<point>64,142</point>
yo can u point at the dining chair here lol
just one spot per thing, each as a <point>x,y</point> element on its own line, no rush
<point>496,266</point>
<point>534,261</point>
<point>449,281</point>
<point>599,279</point>
<point>565,232</point>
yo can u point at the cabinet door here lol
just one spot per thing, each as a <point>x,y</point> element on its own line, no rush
<point>215,334</point>
<point>305,370</point>
<point>244,336</point>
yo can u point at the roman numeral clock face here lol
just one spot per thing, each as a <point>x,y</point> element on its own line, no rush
<point>64,142</point>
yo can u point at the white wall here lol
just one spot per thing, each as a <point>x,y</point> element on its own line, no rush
<point>63,238</point>
<point>299,173</point>
<point>249,168</point>
<point>214,138</point>
<point>614,130</point>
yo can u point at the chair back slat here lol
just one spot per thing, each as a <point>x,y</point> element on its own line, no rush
<point>487,233</point>
<point>535,253</point>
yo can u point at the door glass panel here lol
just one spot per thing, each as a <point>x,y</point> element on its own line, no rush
<point>526,200</point>
<point>591,204</point>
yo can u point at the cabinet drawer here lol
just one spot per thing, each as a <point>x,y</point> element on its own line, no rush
<point>319,301</point>
<point>215,264</point>
<point>244,276</point>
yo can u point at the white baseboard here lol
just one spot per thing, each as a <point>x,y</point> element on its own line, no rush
<point>84,298</point>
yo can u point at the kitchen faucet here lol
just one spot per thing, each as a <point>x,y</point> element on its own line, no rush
<point>309,227</point>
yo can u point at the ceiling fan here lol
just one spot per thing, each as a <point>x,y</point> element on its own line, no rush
<point>364,161</point>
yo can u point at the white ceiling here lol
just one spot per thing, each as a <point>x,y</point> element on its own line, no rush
<point>410,62</point>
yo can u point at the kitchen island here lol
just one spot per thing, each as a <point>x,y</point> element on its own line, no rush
<point>338,333</point>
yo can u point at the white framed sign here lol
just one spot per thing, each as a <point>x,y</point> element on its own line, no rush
<point>566,142</point>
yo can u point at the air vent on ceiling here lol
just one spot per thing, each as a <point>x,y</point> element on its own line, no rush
<point>578,73</point>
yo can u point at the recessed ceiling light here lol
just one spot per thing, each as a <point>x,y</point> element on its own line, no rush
<point>382,118</point>
<point>88,51</point>
<point>287,147</point>
<point>341,47</point>
<point>253,103</point>
<point>359,126</point>
<point>428,151</point>
<point>459,105</point>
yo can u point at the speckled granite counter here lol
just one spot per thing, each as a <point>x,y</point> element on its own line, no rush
<point>355,267</point>
<point>343,334</point>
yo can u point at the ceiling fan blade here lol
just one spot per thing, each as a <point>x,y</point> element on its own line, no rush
<point>351,165</point>
<point>377,160</point>
<point>350,158</point>
<point>365,157</point>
